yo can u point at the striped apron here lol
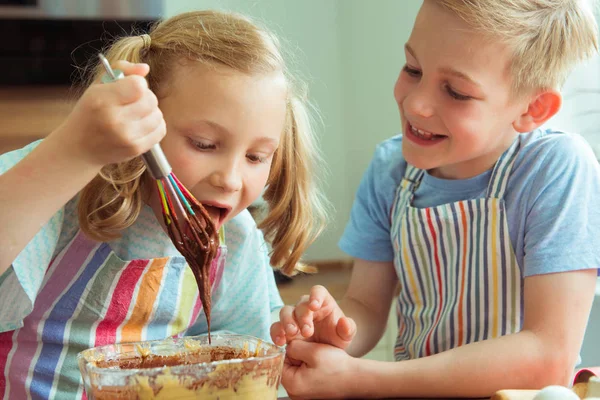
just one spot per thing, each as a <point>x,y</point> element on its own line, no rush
<point>90,297</point>
<point>458,276</point>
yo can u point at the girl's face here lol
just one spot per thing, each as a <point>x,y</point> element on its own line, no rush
<point>223,128</point>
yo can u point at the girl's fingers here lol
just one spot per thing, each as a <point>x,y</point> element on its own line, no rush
<point>150,123</point>
<point>130,68</point>
<point>304,316</point>
<point>144,106</point>
<point>346,329</point>
<point>318,295</point>
<point>288,322</point>
<point>278,334</point>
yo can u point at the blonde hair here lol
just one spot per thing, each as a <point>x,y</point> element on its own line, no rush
<point>112,201</point>
<point>547,37</point>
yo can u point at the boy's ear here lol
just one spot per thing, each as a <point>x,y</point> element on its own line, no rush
<point>540,109</point>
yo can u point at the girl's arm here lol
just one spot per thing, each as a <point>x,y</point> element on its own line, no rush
<point>35,189</point>
<point>111,123</point>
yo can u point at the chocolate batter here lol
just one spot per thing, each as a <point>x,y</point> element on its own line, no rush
<point>182,375</point>
<point>202,355</point>
<point>198,242</point>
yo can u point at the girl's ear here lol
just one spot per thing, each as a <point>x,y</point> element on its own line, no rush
<point>541,108</point>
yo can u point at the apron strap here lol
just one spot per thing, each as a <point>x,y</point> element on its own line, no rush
<point>502,170</point>
<point>496,186</point>
<point>413,174</point>
<point>222,236</point>
<point>412,180</point>
<point>405,192</point>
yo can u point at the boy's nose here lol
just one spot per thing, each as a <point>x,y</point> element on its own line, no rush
<point>419,103</point>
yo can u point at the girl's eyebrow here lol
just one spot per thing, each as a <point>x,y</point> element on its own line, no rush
<point>221,129</point>
<point>214,125</point>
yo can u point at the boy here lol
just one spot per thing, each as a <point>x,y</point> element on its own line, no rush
<point>487,224</point>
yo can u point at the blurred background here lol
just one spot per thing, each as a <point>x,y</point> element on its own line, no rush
<point>349,52</point>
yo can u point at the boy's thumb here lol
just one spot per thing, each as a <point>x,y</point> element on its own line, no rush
<point>301,350</point>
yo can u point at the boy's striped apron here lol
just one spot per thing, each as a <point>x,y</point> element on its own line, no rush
<point>90,297</point>
<point>459,279</point>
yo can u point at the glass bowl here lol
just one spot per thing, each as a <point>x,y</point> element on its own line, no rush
<point>232,367</point>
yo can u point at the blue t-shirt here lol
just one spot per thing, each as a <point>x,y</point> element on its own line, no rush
<point>552,202</point>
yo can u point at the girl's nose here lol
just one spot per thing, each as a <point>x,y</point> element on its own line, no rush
<point>227,178</point>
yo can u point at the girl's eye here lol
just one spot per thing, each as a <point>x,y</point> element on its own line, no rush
<point>456,95</point>
<point>415,73</point>
<point>203,145</point>
<point>256,159</point>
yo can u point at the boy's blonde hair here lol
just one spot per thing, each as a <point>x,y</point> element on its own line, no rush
<point>112,201</point>
<point>547,37</point>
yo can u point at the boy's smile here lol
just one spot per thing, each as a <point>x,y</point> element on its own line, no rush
<point>422,137</point>
<point>454,97</point>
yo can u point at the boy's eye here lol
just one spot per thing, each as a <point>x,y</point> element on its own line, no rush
<point>415,73</point>
<point>456,95</point>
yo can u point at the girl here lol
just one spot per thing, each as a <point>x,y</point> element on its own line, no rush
<point>85,259</point>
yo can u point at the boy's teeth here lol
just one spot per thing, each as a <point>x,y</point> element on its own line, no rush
<point>422,134</point>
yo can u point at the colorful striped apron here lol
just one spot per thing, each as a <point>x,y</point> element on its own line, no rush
<point>458,276</point>
<point>90,297</point>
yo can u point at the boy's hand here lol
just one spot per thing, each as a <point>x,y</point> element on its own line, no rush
<point>318,371</point>
<point>316,318</point>
<point>114,122</point>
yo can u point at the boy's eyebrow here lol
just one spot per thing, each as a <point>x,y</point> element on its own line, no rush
<point>458,74</point>
<point>409,50</point>
<point>446,70</point>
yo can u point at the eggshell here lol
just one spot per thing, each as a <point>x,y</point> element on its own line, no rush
<point>593,388</point>
<point>556,392</point>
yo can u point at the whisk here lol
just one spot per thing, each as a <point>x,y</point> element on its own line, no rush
<point>194,235</point>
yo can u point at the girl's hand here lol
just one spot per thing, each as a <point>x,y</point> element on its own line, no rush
<point>114,122</point>
<point>317,371</point>
<point>316,318</point>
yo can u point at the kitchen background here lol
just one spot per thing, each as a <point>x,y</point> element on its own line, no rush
<point>349,52</point>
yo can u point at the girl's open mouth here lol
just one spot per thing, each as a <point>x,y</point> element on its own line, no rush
<point>217,214</point>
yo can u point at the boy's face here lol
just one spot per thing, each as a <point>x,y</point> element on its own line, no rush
<point>454,97</point>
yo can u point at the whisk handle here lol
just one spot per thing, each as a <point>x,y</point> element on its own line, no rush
<point>155,158</point>
<point>157,163</point>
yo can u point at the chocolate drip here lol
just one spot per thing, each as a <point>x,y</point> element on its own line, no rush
<point>198,242</point>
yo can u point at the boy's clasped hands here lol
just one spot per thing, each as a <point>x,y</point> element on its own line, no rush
<point>317,334</point>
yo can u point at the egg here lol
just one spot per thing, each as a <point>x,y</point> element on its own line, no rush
<point>593,390</point>
<point>556,392</point>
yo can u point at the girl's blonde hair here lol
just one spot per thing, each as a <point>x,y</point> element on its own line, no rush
<point>547,37</point>
<point>112,201</point>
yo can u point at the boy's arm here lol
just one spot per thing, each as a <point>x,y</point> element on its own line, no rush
<point>556,312</point>
<point>367,301</point>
